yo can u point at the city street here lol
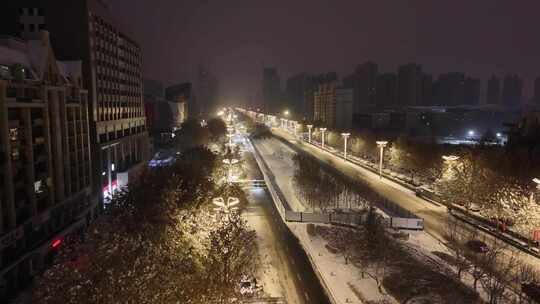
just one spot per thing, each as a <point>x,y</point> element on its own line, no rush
<point>279,249</point>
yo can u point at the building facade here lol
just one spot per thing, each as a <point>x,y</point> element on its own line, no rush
<point>271,89</point>
<point>111,67</point>
<point>325,104</point>
<point>344,108</point>
<point>409,85</point>
<point>387,90</point>
<point>493,92</point>
<point>512,90</point>
<point>46,168</point>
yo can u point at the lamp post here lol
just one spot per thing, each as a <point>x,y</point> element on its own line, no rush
<point>345,137</point>
<point>286,113</point>
<point>226,206</point>
<point>381,145</point>
<point>309,132</point>
<point>450,158</point>
<point>231,162</point>
<point>322,138</point>
<point>295,129</point>
<point>537,181</point>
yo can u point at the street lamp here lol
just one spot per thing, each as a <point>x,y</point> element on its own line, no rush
<point>309,132</point>
<point>296,125</point>
<point>450,158</point>
<point>226,206</point>
<point>231,162</point>
<point>537,181</point>
<point>381,145</point>
<point>322,139</point>
<point>345,137</point>
<point>286,112</point>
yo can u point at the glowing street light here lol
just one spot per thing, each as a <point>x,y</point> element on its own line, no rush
<point>381,145</point>
<point>286,112</point>
<point>345,137</point>
<point>450,158</point>
<point>322,141</point>
<point>309,132</point>
<point>537,181</point>
<point>471,133</point>
<point>231,162</point>
<point>226,206</point>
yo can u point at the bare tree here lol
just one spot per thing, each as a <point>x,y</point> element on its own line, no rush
<point>456,244</point>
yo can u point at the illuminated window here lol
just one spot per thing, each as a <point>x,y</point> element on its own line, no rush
<point>38,187</point>
<point>13,134</point>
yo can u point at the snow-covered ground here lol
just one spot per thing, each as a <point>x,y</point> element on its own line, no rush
<point>279,158</point>
<point>343,280</point>
<point>268,265</point>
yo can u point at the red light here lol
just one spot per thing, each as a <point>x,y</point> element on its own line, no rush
<point>56,243</point>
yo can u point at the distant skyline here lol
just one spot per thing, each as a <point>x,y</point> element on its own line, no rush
<point>235,38</point>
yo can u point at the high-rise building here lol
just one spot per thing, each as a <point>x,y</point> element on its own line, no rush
<point>46,178</point>
<point>512,90</point>
<point>295,96</point>
<point>426,90</point>
<point>166,109</point>
<point>207,92</point>
<point>387,90</point>
<point>344,108</point>
<point>111,67</point>
<point>312,86</point>
<point>409,85</point>
<point>449,89</point>
<point>364,84</point>
<point>271,88</point>
<point>493,92</point>
<point>471,91</point>
<point>536,97</point>
<point>325,104</point>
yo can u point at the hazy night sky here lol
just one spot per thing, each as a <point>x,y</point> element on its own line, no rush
<point>234,38</point>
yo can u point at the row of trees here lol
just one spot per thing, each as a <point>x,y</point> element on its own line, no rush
<point>494,179</point>
<point>194,134</point>
<point>381,256</point>
<point>158,241</point>
<point>471,181</point>
<point>323,189</point>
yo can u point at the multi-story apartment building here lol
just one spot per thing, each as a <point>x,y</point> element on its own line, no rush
<point>45,180</point>
<point>324,107</point>
<point>111,60</point>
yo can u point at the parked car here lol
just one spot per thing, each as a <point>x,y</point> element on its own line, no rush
<point>477,246</point>
<point>474,208</point>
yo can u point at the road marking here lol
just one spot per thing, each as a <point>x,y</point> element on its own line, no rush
<point>298,276</point>
<point>306,295</point>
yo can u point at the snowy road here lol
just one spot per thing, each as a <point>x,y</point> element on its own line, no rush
<point>285,269</point>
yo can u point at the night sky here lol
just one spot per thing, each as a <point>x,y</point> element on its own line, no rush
<point>234,38</point>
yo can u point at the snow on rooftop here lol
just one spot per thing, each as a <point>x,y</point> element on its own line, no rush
<point>10,56</point>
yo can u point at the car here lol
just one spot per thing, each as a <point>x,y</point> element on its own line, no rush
<point>474,208</point>
<point>477,246</point>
